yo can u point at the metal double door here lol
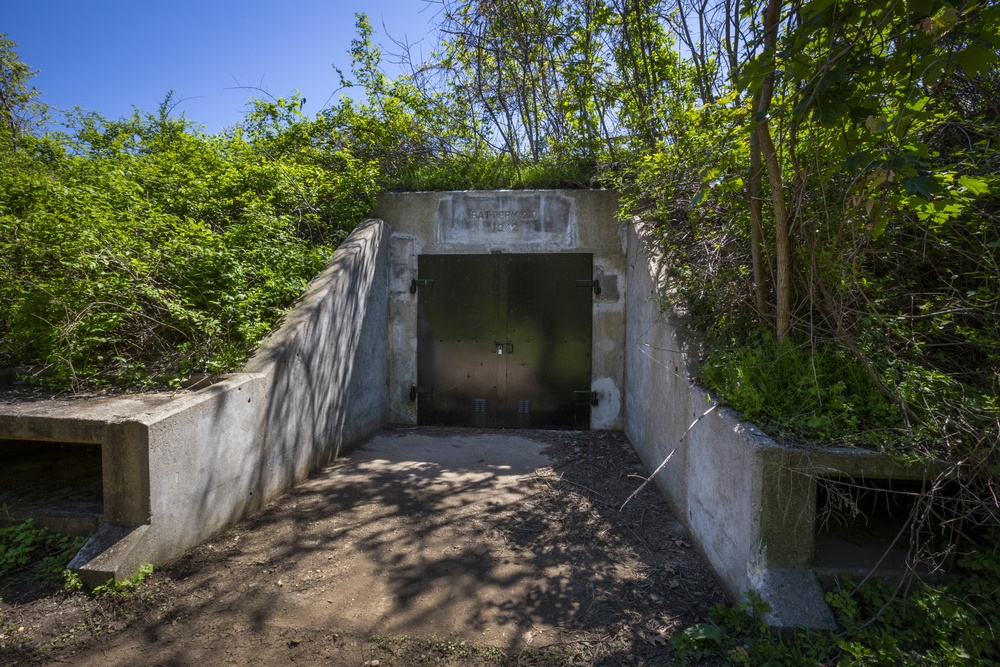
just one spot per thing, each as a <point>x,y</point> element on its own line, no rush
<point>504,340</point>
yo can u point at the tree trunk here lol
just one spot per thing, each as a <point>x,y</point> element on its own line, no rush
<point>757,228</point>
<point>782,288</point>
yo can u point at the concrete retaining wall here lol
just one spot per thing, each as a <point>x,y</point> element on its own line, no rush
<point>179,468</point>
<point>748,502</point>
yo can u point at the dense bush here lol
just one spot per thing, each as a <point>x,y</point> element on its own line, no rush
<point>140,251</point>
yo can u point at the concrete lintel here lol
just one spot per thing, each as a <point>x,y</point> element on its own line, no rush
<point>48,428</point>
<point>82,420</point>
<point>863,463</point>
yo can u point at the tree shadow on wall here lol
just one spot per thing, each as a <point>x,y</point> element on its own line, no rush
<point>325,371</point>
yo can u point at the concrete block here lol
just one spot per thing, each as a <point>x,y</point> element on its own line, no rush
<point>113,552</point>
<point>794,597</point>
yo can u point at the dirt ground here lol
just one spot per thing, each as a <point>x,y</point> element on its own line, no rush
<point>424,546</point>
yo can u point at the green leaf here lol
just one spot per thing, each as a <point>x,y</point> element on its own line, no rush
<point>831,109</point>
<point>703,631</point>
<point>858,160</point>
<point>922,186</point>
<point>976,186</point>
<point>922,8</point>
<point>710,174</point>
<point>698,198</point>
<point>877,125</point>
<point>976,58</point>
<point>814,7</point>
<point>879,227</point>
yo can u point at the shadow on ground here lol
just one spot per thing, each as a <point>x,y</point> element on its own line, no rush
<point>508,539</point>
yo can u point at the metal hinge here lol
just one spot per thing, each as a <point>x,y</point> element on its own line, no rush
<point>580,397</point>
<point>596,284</point>
<point>419,391</point>
<point>419,281</point>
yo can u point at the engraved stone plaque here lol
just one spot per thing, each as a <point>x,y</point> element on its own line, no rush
<point>506,218</point>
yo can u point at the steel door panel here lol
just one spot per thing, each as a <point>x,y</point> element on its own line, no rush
<point>504,340</point>
<point>549,321</point>
<point>457,323</point>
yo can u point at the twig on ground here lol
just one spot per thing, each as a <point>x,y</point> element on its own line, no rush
<point>563,479</point>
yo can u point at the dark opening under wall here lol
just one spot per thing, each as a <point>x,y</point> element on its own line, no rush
<point>58,484</point>
<point>866,526</point>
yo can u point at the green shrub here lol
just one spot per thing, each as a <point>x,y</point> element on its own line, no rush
<point>818,393</point>
<point>950,624</point>
<point>29,548</point>
<point>142,251</point>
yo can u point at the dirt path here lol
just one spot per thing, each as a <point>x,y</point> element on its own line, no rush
<point>495,539</point>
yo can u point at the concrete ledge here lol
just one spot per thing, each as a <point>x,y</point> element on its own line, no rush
<point>178,468</point>
<point>113,552</point>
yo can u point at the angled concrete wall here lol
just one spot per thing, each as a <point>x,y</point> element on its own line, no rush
<point>528,221</point>
<point>179,468</point>
<point>748,502</point>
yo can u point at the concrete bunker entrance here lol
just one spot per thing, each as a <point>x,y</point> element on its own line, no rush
<point>504,340</point>
<point>495,315</point>
<point>176,469</point>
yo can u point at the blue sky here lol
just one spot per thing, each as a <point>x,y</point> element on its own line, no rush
<point>108,56</point>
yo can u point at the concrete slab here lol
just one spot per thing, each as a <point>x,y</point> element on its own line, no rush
<point>433,496</point>
<point>499,453</point>
<point>794,598</point>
